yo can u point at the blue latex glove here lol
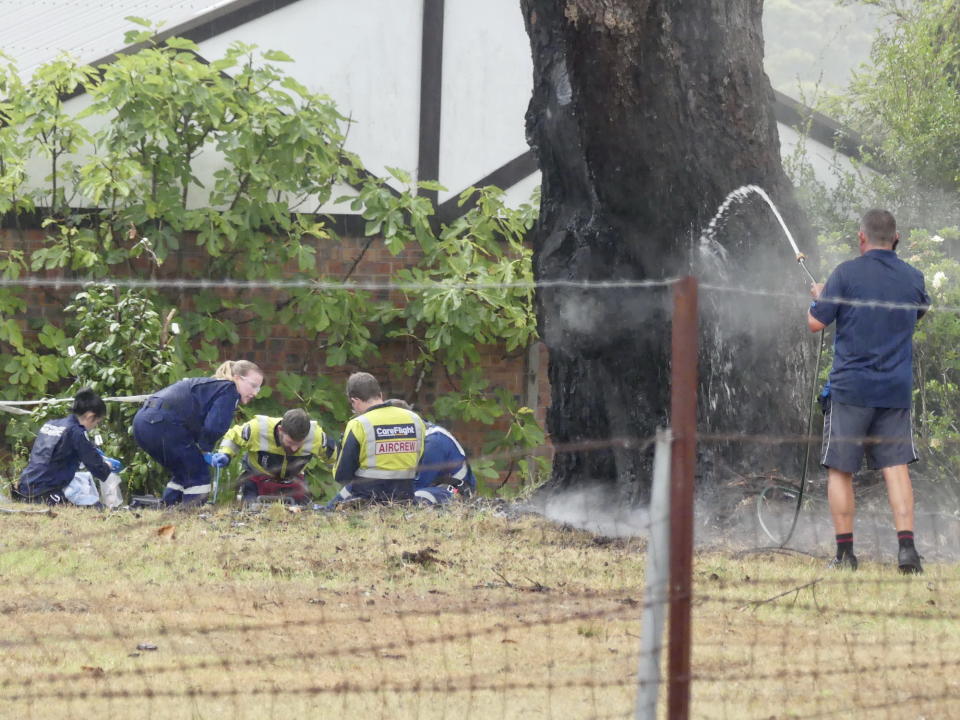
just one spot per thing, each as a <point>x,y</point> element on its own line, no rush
<point>216,459</point>
<point>115,465</point>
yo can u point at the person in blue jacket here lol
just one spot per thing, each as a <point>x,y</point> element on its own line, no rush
<point>444,470</point>
<point>180,425</point>
<point>60,447</point>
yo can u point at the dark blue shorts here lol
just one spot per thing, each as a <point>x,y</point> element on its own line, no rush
<point>849,431</point>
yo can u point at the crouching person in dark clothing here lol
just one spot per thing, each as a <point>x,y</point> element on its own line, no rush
<point>275,453</point>
<point>180,425</point>
<point>444,466</point>
<point>381,446</point>
<point>444,472</point>
<point>60,447</point>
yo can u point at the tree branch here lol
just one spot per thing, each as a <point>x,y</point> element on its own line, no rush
<point>758,603</point>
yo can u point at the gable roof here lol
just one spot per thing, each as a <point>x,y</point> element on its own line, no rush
<point>37,32</point>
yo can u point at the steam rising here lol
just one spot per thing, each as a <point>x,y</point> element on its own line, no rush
<point>725,519</point>
<point>753,331</point>
<point>596,511</point>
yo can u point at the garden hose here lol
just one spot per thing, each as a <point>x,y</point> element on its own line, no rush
<point>806,455</point>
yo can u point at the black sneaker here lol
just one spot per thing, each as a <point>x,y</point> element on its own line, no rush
<point>909,561</point>
<point>844,562</point>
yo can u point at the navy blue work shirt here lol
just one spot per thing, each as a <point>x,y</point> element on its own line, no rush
<point>203,406</point>
<point>60,447</point>
<point>873,347</point>
<point>443,458</point>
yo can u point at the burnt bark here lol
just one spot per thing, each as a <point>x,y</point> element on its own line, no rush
<point>645,114</point>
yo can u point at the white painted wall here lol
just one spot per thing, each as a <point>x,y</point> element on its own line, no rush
<point>487,83</point>
<point>521,192</point>
<point>365,54</point>
<point>826,161</point>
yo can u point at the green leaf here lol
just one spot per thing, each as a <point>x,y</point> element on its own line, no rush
<point>144,22</point>
<point>431,185</point>
<point>400,175</point>
<point>179,43</point>
<point>276,56</point>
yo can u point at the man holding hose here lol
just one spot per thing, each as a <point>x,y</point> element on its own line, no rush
<point>876,300</point>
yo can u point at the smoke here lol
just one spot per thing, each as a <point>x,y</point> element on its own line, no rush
<point>603,316</point>
<point>581,313</point>
<point>726,519</point>
<point>937,526</point>
<point>594,509</point>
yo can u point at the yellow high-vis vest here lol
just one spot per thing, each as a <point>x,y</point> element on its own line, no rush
<point>265,456</point>
<point>391,443</point>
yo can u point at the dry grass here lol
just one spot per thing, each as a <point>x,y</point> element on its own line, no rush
<point>386,612</point>
<point>409,613</point>
<point>847,645</point>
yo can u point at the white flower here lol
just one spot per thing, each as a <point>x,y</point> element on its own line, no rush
<point>938,279</point>
<point>936,238</point>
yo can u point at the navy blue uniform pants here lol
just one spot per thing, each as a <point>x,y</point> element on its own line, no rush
<point>171,445</point>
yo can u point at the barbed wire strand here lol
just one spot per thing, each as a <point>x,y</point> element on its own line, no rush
<point>445,286</point>
<point>343,687</point>
<point>533,602</point>
<point>499,627</point>
<point>826,671</point>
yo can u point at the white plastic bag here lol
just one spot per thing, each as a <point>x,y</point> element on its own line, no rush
<point>110,494</point>
<point>82,490</point>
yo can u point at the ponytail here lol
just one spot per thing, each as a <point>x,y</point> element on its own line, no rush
<point>232,369</point>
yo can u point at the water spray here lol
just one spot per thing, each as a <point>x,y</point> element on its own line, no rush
<point>801,258</point>
<point>739,195</point>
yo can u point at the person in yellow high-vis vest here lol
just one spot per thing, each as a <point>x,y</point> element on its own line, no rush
<point>275,454</point>
<point>381,446</point>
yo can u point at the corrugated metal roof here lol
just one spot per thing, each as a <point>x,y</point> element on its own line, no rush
<point>33,32</point>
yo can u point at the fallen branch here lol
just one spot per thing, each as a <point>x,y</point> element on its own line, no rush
<point>758,603</point>
<point>535,586</point>
<point>165,330</point>
<point>423,557</point>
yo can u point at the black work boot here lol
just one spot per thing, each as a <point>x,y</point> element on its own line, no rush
<point>908,561</point>
<point>848,561</point>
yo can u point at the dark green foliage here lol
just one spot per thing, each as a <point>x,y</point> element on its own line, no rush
<point>279,146</point>
<point>906,105</point>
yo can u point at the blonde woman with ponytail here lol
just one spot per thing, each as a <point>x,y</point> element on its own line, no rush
<point>244,374</point>
<point>180,425</point>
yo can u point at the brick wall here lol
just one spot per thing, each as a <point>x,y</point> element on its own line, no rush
<point>287,348</point>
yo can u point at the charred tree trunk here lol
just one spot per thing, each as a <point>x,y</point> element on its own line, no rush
<point>645,115</point>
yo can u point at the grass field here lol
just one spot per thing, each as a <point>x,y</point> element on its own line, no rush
<point>470,612</point>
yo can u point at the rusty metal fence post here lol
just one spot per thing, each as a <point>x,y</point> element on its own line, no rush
<point>683,424</point>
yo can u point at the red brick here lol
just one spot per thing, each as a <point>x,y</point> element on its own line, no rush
<point>289,348</point>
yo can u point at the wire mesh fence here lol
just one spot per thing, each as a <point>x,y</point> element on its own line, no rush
<point>484,608</point>
<point>387,612</point>
<point>478,610</point>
